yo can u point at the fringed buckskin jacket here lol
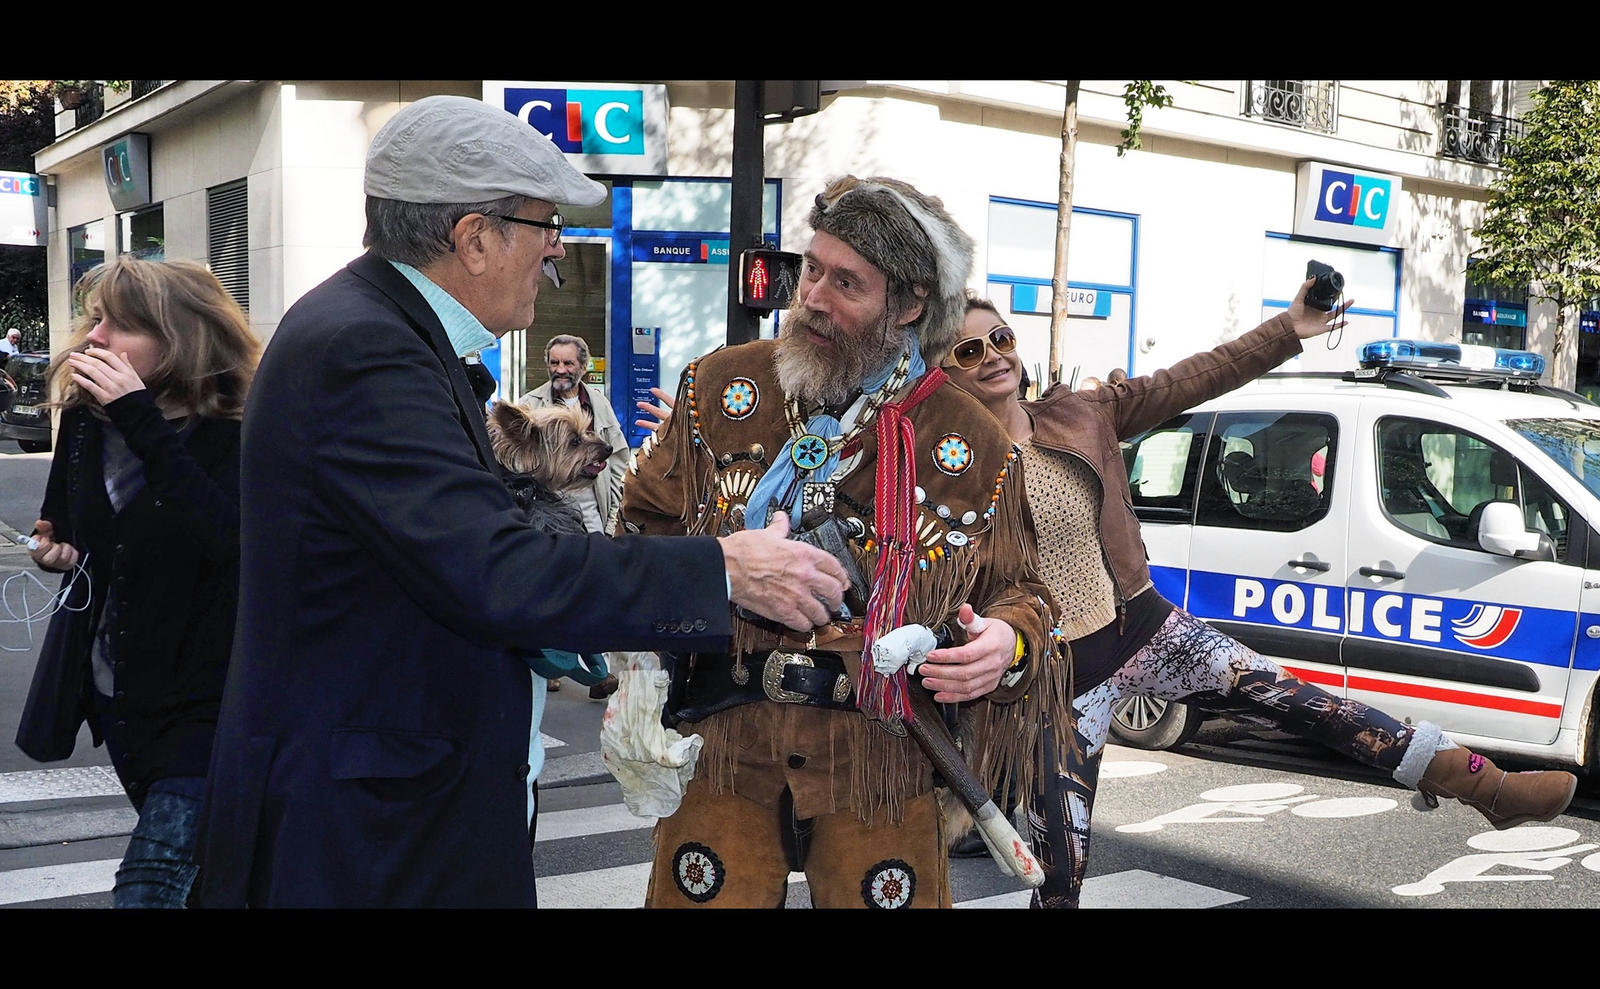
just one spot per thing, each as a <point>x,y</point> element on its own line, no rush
<point>975,544</point>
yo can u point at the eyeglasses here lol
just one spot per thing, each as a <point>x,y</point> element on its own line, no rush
<point>553,225</point>
<point>969,353</point>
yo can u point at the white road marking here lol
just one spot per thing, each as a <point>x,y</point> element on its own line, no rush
<point>58,784</point>
<point>554,825</point>
<point>49,882</point>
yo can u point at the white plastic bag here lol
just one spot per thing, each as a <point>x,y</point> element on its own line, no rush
<point>653,763</point>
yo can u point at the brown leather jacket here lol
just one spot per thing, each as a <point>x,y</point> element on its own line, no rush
<point>1090,424</point>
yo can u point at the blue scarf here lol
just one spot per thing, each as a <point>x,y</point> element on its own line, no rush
<point>782,475</point>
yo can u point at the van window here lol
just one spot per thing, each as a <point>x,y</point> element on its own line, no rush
<point>1574,445</point>
<point>1435,479</point>
<point>1163,464</point>
<point>1268,470</point>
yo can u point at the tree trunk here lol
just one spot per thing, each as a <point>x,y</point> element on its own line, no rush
<point>1058,282</point>
<point>1563,373</point>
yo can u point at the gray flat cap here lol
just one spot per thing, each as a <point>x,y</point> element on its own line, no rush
<point>454,149</point>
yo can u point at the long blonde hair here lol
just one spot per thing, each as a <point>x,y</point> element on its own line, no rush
<point>209,353</point>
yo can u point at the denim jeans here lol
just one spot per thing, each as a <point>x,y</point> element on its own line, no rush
<point>158,867</point>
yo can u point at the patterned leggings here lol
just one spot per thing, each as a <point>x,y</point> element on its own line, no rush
<point>1187,660</point>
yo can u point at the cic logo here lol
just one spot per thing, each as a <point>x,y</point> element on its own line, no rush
<point>584,121</point>
<point>1355,200</point>
<point>22,185</point>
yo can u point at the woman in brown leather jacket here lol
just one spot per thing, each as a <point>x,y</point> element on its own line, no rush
<point>1122,637</point>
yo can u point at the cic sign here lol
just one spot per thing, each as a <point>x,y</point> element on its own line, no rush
<point>1341,203</point>
<point>24,213</point>
<point>603,127</point>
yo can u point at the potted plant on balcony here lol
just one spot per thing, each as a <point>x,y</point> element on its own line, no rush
<point>71,92</point>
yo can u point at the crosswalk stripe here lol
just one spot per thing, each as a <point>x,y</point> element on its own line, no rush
<point>49,882</point>
<point>624,887</point>
<point>1121,890</point>
<point>555,825</point>
<point>58,784</point>
<point>609,888</point>
<point>619,886</point>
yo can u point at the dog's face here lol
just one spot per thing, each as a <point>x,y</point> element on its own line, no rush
<point>554,443</point>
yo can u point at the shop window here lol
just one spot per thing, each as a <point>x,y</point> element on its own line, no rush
<point>228,239</point>
<point>86,248</point>
<point>1021,265</point>
<point>1494,315</point>
<point>1371,283</point>
<point>142,234</point>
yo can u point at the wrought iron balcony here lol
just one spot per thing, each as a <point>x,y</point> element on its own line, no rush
<point>1475,135</point>
<point>1302,103</point>
<point>91,108</point>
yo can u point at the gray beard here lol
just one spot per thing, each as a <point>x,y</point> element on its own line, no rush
<point>832,377</point>
<point>561,387</point>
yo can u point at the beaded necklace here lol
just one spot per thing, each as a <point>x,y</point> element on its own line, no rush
<point>810,451</point>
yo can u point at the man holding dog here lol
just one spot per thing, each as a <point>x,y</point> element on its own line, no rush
<point>373,742</point>
<point>567,357</point>
<point>807,764</point>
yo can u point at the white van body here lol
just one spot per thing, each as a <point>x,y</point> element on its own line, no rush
<point>1335,523</point>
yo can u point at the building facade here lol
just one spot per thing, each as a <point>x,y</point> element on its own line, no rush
<point>1173,248</point>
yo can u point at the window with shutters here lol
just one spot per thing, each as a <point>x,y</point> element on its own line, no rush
<point>228,239</point>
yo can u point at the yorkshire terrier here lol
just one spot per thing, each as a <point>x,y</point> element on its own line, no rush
<point>545,451</point>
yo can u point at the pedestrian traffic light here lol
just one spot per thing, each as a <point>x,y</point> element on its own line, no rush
<point>768,277</point>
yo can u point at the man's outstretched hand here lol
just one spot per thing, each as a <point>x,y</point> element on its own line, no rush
<point>790,582</point>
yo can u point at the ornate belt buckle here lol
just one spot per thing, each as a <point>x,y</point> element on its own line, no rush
<point>772,676</point>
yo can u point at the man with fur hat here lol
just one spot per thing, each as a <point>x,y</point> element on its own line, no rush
<point>806,764</point>
<point>373,747</point>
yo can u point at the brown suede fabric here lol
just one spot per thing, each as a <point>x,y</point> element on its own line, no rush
<point>721,850</point>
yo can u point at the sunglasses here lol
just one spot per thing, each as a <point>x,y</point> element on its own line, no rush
<point>969,353</point>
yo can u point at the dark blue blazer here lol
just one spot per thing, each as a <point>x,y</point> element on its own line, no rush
<point>372,746</point>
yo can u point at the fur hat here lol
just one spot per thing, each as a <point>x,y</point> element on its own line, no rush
<point>911,239</point>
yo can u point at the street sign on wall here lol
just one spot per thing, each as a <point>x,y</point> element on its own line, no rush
<point>24,209</point>
<point>1351,204</point>
<point>604,128</point>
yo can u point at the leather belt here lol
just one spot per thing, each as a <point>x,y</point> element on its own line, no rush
<point>720,681</point>
<point>795,678</point>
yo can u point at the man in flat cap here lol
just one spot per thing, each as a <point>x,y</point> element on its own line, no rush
<point>846,424</point>
<point>374,738</point>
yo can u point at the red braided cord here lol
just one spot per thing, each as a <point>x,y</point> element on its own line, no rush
<point>894,506</point>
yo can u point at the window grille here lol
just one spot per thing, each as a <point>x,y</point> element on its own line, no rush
<point>228,239</point>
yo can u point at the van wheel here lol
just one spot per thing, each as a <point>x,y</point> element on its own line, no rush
<point>34,446</point>
<point>1150,723</point>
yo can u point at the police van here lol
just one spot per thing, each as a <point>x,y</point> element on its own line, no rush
<point>1421,533</point>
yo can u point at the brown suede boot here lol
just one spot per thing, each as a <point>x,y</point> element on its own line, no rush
<point>1506,799</point>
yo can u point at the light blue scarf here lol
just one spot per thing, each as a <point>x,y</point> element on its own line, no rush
<point>781,476</point>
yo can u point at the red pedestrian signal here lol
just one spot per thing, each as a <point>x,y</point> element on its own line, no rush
<point>768,278</point>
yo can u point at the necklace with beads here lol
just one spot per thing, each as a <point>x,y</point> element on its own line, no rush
<point>811,451</point>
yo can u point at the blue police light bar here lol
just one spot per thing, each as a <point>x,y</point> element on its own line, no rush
<point>1452,359</point>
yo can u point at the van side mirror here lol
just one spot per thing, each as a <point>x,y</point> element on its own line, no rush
<point>1501,530</point>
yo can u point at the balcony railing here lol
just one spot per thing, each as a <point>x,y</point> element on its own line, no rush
<point>1302,103</point>
<point>1475,135</point>
<point>93,106</point>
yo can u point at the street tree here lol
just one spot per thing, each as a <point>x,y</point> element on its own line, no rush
<point>1137,95</point>
<point>1541,225</point>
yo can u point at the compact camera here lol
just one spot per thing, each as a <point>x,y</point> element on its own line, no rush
<point>1324,294</point>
